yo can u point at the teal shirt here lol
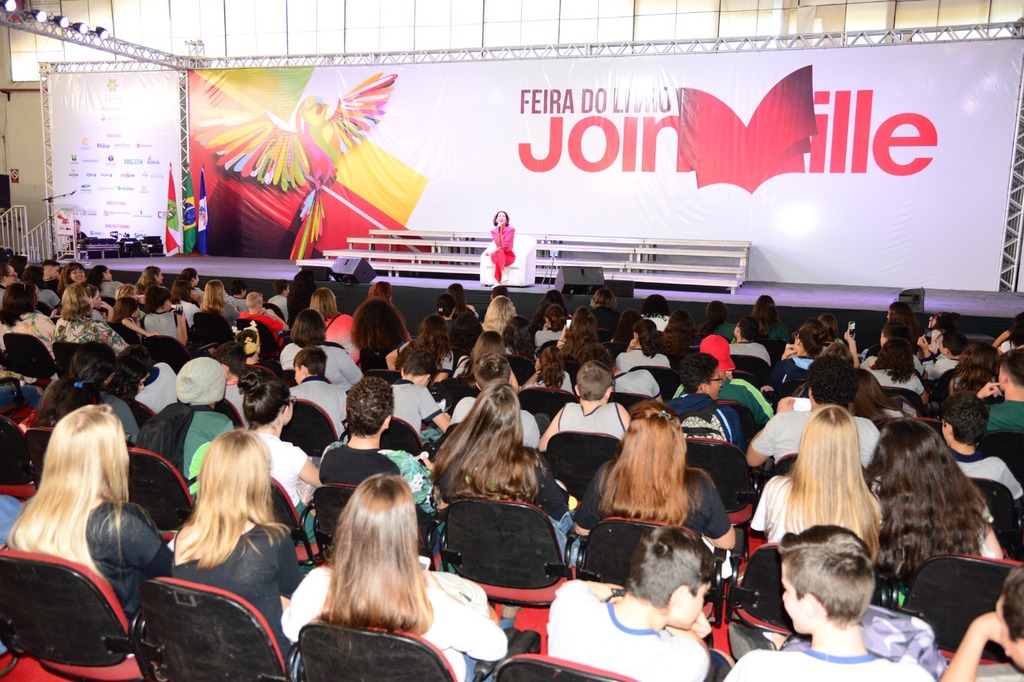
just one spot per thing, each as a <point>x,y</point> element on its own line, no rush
<point>1008,414</point>
<point>206,425</point>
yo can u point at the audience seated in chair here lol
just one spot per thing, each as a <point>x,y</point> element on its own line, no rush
<point>1009,414</point>
<point>493,369</point>
<point>951,345</point>
<point>1004,626</point>
<point>550,371</point>
<point>232,541</point>
<point>744,340</point>
<point>738,390</point>
<point>371,403</point>
<point>81,511</point>
<point>643,350</point>
<point>310,384</point>
<point>963,425</point>
<point>593,413</point>
<point>808,342</point>
<point>309,329</point>
<point>830,381</point>
<point>828,578</point>
<point>413,402</point>
<point>158,387</point>
<point>701,415</point>
<point>232,359</point>
<point>254,310</point>
<point>653,629</point>
<point>201,386</point>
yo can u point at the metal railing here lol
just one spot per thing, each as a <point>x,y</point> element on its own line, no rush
<point>35,242</point>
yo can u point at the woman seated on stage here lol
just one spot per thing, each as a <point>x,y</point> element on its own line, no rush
<point>650,481</point>
<point>387,590</point>
<point>82,513</point>
<point>76,324</point>
<point>503,236</point>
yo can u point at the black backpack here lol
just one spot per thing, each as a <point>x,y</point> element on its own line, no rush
<point>703,423</point>
<point>164,434</point>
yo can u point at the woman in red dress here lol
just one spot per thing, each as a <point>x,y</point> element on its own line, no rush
<point>503,235</point>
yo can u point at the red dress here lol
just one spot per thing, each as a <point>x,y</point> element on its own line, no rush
<point>503,256</point>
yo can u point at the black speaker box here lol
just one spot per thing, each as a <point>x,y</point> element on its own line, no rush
<point>579,280</point>
<point>914,298</point>
<point>622,288</point>
<point>353,271</point>
<point>5,192</point>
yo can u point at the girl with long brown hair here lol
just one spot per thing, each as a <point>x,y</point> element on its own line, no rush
<point>486,458</point>
<point>929,506</point>
<point>650,481</point>
<point>385,589</point>
<point>826,486</point>
<point>432,337</point>
<point>894,366</point>
<point>643,350</point>
<point>979,365</point>
<point>578,333</point>
<point>872,402</point>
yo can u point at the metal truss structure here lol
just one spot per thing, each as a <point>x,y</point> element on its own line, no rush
<point>140,58</point>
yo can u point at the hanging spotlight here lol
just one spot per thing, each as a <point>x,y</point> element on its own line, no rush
<point>61,20</point>
<point>36,15</point>
<point>10,5</point>
<point>80,27</point>
<point>101,33</point>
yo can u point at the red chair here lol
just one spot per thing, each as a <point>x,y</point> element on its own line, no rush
<point>537,668</point>
<point>66,617</point>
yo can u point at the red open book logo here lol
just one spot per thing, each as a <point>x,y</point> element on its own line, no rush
<point>716,144</point>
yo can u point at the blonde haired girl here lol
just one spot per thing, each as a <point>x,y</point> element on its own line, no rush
<point>232,541</point>
<point>81,511</point>
<point>215,300</point>
<point>826,486</point>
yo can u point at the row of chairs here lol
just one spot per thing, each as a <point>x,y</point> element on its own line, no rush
<point>187,631</point>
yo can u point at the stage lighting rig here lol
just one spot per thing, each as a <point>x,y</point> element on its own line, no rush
<point>101,33</point>
<point>10,5</point>
<point>61,20</point>
<point>80,27</point>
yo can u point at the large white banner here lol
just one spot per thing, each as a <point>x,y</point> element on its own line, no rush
<point>884,165</point>
<point>114,137</point>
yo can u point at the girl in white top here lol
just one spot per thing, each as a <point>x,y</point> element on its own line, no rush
<point>825,487</point>
<point>268,409</point>
<point>643,349</point>
<point>386,588</point>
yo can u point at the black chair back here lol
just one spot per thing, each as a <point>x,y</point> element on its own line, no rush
<point>211,328</point>
<point>536,668</point>
<point>310,429</point>
<point>753,366</point>
<point>459,389</point>
<point>775,349</point>
<point>326,651</point>
<point>503,546</point>
<point>286,515</point>
<point>28,356</point>
<point>1007,446</point>
<point>747,422</point>
<point>388,375</point>
<point>159,488</point>
<point>1005,515</point>
<point>65,616</point>
<point>329,501</point>
<point>130,336</point>
<point>756,600</point>
<point>37,439</point>
<point>228,409</point>
<point>575,458</point>
<point>543,400</point>
<point>17,478</point>
<point>401,435</point>
<point>667,378</point>
<point>373,358</point>
<point>608,550</point>
<point>907,397</point>
<point>522,367</point>
<point>628,400</point>
<point>194,632</point>
<point>167,349</point>
<point>726,465</point>
<point>949,592</point>
<point>63,351</point>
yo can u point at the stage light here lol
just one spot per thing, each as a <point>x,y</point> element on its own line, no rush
<point>101,33</point>
<point>36,15</point>
<point>61,20</point>
<point>10,5</point>
<point>80,27</point>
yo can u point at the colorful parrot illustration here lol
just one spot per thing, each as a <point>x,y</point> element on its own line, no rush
<point>303,152</point>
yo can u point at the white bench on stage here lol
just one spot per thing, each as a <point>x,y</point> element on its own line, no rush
<point>678,263</point>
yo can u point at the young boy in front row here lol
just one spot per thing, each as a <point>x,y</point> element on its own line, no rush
<point>828,579</point>
<point>653,629</point>
<point>1004,626</point>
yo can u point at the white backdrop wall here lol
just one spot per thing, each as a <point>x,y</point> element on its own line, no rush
<point>114,138</point>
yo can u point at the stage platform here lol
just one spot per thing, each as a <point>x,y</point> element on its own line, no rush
<point>988,312</point>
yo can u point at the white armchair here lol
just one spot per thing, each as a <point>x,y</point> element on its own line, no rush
<point>522,273</point>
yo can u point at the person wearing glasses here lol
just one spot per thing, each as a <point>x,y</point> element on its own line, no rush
<point>8,278</point>
<point>697,406</point>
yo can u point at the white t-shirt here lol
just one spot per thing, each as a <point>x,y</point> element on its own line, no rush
<point>458,628</point>
<point>531,432</point>
<point>770,515</point>
<point>585,630</point>
<point>993,469</point>
<point>162,391</point>
<point>795,666</point>
<point>781,435</point>
<point>636,358</point>
<point>286,461</point>
<point>341,369</point>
